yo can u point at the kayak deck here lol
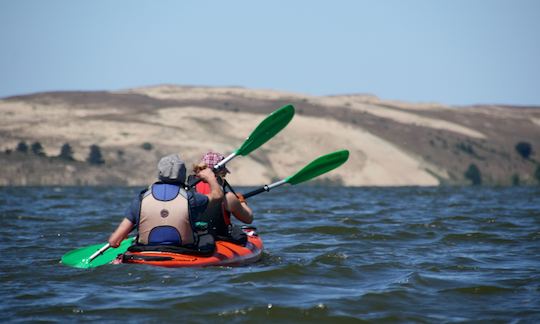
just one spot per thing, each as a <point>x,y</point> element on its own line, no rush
<point>226,253</point>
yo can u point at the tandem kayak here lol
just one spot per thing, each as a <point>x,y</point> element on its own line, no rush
<point>226,254</point>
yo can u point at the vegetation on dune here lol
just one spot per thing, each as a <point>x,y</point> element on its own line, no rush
<point>147,146</point>
<point>95,157</point>
<point>516,180</point>
<point>66,152</point>
<point>37,149</point>
<point>524,149</point>
<point>466,148</point>
<point>473,174</point>
<point>500,151</point>
<point>22,147</point>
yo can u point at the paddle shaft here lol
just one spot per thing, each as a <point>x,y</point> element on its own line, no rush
<point>315,168</point>
<point>216,168</point>
<point>99,252</point>
<point>264,188</point>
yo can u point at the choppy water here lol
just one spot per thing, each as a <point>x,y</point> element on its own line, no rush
<point>331,254</point>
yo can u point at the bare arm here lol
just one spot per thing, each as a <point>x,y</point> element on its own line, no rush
<point>120,233</point>
<point>239,208</point>
<point>216,193</point>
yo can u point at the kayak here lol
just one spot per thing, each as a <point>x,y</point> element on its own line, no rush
<point>226,254</point>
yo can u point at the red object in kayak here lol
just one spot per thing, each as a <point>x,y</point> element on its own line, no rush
<point>226,254</point>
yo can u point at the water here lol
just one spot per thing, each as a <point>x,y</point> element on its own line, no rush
<point>426,255</point>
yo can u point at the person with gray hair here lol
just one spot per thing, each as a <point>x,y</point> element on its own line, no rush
<point>165,214</point>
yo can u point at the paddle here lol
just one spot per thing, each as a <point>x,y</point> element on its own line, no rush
<point>95,255</point>
<point>267,129</point>
<point>314,169</point>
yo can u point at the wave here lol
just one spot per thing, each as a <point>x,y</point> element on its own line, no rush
<point>481,290</point>
<point>476,237</point>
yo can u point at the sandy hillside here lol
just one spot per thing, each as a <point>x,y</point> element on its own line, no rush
<point>391,143</point>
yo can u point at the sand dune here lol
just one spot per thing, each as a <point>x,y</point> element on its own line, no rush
<point>391,143</point>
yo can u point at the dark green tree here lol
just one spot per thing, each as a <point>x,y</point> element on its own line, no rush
<point>22,147</point>
<point>537,174</point>
<point>473,174</point>
<point>66,152</point>
<point>37,149</point>
<point>516,181</point>
<point>147,146</point>
<point>467,148</point>
<point>524,149</point>
<point>95,156</point>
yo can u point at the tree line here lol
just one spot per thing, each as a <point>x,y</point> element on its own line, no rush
<point>524,149</point>
<point>94,157</point>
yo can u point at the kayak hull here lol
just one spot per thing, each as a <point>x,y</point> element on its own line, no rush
<point>226,254</point>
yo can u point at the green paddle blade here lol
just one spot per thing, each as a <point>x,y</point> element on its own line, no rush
<point>79,258</point>
<point>319,166</point>
<point>269,127</point>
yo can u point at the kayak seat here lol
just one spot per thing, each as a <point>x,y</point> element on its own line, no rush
<point>236,236</point>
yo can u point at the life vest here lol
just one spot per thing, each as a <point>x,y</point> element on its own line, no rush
<point>164,217</point>
<point>217,217</point>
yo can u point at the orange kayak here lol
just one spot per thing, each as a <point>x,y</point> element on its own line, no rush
<point>226,254</point>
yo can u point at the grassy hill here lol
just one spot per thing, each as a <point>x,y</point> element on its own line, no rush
<point>391,143</point>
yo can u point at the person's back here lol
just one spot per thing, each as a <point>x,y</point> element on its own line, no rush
<point>218,216</point>
<point>215,215</point>
<point>173,226</point>
<point>165,214</point>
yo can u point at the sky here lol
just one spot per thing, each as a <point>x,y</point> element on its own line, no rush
<point>455,52</point>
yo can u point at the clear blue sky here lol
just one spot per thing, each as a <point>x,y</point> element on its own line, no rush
<point>454,51</point>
